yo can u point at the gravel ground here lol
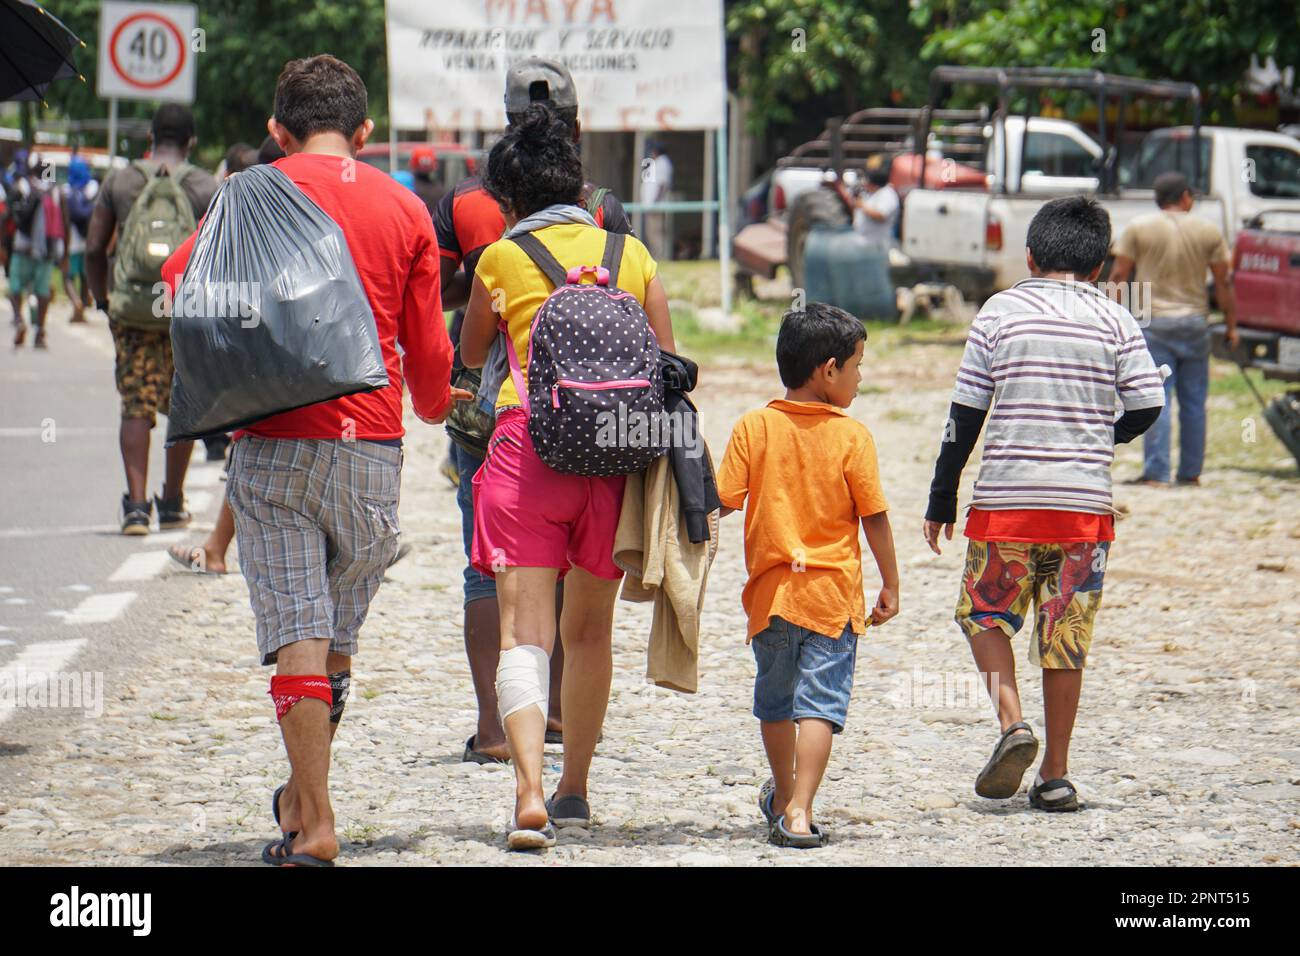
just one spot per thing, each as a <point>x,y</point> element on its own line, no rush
<point>1186,750</point>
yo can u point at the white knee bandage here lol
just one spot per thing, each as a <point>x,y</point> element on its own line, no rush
<point>523,678</point>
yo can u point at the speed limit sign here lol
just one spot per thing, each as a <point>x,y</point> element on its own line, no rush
<point>147,51</point>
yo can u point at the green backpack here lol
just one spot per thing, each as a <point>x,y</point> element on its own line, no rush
<point>159,222</point>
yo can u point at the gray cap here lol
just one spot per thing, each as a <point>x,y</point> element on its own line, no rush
<point>539,80</point>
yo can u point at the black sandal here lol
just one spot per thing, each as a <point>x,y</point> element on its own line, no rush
<point>1013,755</point>
<point>1066,802</point>
<point>275,810</point>
<point>765,796</point>
<point>288,857</point>
<point>477,756</point>
<point>778,835</point>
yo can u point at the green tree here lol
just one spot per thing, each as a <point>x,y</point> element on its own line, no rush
<point>1202,41</point>
<point>792,50</point>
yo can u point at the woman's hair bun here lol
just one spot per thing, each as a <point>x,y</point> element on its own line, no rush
<point>538,125</point>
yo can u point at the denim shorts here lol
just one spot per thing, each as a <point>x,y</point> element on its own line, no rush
<point>478,585</point>
<point>803,674</point>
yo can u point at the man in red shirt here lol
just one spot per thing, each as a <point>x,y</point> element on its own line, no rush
<point>314,491</point>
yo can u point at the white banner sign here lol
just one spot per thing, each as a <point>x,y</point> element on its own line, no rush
<point>638,64</point>
<point>147,50</point>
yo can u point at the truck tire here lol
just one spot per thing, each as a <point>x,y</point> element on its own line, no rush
<point>817,207</point>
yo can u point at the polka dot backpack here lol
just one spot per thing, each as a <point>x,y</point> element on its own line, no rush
<point>595,394</point>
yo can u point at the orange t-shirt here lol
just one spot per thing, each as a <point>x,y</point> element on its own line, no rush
<point>1039,526</point>
<point>809,473</point>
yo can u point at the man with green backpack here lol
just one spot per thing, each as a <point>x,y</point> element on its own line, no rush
<point>154,206</point>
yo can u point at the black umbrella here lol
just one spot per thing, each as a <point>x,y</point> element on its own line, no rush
<point>35,50</point>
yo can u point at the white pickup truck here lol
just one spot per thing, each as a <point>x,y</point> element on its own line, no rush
<point>976,239</point>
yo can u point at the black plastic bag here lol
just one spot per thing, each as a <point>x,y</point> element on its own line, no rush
<point>270,314</point>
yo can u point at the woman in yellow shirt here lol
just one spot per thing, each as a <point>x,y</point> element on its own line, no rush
<point>532,524</point>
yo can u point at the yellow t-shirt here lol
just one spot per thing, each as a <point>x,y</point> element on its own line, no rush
<point>1171,250</point>
<point>519,288</point>
<point>809,472</point>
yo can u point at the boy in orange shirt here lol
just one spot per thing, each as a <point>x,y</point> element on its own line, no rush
<point>809,473</point>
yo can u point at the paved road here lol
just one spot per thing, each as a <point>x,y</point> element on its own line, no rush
<point>75,595</point>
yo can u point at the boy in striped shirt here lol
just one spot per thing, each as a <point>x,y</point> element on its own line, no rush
<point>1049,363</point>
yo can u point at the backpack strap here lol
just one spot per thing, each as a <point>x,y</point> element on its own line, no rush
<point>542,258</point>
<point>613,256</point>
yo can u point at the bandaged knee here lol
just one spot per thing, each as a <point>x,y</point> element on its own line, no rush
<point>523,679</point>
<point>340,684</point>
<point>290,689</point>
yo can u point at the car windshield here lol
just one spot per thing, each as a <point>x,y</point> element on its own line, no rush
<point>1273,171</point>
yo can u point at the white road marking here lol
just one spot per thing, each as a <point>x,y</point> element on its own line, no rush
<point>17,601</point>
<point>6,590</point>
<point>77,587</point>
<point>94,333</point>
<point>35,661</point>
<point>97,609</point>
<point>4,641</point>
<point>199,501</point>
<point>141,567</point>
<point>164,537</point>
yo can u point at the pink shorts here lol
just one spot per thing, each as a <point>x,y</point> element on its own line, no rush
<point>528,515</point>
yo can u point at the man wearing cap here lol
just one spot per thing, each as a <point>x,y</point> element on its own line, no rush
<point>467,221</point>
<point>1170,251</point>
<point>424,167</point>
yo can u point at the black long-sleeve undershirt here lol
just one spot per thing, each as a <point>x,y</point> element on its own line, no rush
<point>963,431</point>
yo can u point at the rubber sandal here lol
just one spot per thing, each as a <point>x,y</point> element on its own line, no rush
<point>570,811</point>
<point>766,794</point>
<point>275,809</point>
<point>1012,756</point>
<point>778,835</point>
<point>1043,795</point>
<point>518,839</point>
<point>477,756</point>
<point>554,736</point>
<point>288,857</point>
<point>185,557</point>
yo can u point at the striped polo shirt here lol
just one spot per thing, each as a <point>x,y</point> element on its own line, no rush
<point>1055,361</point>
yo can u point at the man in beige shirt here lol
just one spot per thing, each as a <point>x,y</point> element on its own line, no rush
<point>1171,250</point>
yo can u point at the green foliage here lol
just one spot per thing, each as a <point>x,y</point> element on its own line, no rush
<point>1202,41</point>
<point>247,42</point>
<point>791,50</point>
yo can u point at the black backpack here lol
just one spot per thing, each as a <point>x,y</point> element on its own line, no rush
<point>595,396</point>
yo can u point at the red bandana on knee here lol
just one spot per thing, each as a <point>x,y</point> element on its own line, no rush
<point>288,689</point>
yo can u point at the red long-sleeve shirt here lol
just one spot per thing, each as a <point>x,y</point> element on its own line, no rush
<point>392,243</point>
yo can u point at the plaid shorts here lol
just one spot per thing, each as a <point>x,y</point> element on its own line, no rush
<point>1062,581</point>
<point>316,522</point>
<point>144,371</point>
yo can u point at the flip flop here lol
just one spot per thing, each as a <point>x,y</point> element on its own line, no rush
<point>518,839</point>
<point>477,756</point>
<point>765,797</point>
<point>1054,796</point>
<point>1012,756</point>
<point>275,809</point>
<point>570,811</point>
<point>185,558</point>
<point>288,857</point>
<point>780,836</point>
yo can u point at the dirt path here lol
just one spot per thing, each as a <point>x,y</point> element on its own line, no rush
<point>1187,749</point>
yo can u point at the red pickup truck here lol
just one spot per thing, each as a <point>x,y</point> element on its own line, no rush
<point>1266,275</point>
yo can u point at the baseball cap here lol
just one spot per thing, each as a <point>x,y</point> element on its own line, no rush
<point>424,159</point>
<point>534,80</point>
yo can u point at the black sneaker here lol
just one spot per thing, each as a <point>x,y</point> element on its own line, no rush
<point>135,516</point>
<point>172,513</point>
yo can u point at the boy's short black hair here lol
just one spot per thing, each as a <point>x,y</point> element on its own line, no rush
<point>1070,234</point>
<point>1169,188</point>
<point>239,157</point>
<point>269,151</point>
<point>173,125</point>
<point>807,339</point>
<point>878,175</point>
<point>319,94</point>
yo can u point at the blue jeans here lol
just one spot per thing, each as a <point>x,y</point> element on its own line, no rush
<point>477,585</point>
<point>1184,345</point>
<point>803,674</point>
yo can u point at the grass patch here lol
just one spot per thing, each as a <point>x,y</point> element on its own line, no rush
<point>1238,436</point>
<point>164,717</point>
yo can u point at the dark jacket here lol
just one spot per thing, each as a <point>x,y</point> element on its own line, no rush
<point>692,469</point>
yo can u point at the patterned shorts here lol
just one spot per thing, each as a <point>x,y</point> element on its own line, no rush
<point>1062,581</point>
<point>316,522</point>
<point>144,371</point>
